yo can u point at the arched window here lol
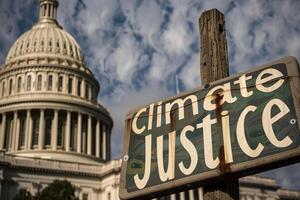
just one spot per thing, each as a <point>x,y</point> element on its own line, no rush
<point>73,133</point>
<point>35,130</point>
<point>48,125</point>
<point>28,83</point>
<point>85,196</point>
<point>10,86</point>
<point>22,131</point>
<point>3,88</point>
<point>39,83</point>
<point>61,129</point>
<point>79,87</point>
<point>48,130</point>
<point>60,83</point>
<point>86,91</point>
<point>8,132</point>
<point>19,84</point>
<point>70,85</point>
<point>50,82</point>
<point>93,93</point>
<point>84,134</point>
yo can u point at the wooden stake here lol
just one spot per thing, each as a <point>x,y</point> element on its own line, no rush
<point>213,48</point>
<point>214,66</point>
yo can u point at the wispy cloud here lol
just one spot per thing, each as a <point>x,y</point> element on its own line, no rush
<point>135,48</point>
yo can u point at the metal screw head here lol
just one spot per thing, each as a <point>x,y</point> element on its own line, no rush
<point>292,121</point>
<point>125,158</point>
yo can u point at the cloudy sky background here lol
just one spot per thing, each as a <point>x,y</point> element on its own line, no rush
<point>136,48</point>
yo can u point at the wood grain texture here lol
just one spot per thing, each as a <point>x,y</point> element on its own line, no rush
<point>213,46</point>
<point>214,66</point>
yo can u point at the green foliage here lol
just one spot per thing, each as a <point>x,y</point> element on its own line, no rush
<point>57,190</point>
<point>23,195</point>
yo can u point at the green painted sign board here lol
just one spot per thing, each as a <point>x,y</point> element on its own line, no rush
<point>230,126</point>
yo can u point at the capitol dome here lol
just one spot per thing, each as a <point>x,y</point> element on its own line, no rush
<point>45,40</point>
<point>48,97</point>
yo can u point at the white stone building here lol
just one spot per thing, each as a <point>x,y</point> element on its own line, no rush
<point>51,126</point>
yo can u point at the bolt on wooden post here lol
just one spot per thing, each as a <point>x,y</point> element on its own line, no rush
<point>214,66</point>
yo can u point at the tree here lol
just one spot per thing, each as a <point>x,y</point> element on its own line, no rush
<point>24,195</point>
<point>58,190</point>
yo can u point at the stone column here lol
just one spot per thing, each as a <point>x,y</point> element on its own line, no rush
<point>108,144</point>
<point>181,196</point>
<point>54,130</point>
<point>73,85</point>
<point>13,132</point>
<point>79,130</point>
<point>89,136</point>
<point>200,193</point>
<point>98,139</point>
<point>173,197</point>
<point>2,135</point>
<point>30,131</point>
<point>104,143</point>
<point>27,129</point>
<point>17,135</point>
<point>191,195</point>
<point>115,192</point>
<point>42,130</point>
<point>51,12</point>
<point>82,88</point>
<point>96,192</point>
<point>90,93</point>
<point>68,131</point>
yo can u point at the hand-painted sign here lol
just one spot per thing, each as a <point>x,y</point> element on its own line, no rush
<point>235,124</point>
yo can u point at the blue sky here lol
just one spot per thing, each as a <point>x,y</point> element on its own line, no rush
<point>136,48</point>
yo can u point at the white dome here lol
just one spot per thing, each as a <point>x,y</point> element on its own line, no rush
<point>45,40</point>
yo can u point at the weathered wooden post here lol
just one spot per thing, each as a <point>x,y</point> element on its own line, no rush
<point>214,66</point>
<point>213,48</point>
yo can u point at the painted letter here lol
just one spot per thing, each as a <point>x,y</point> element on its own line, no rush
<point>243,85</point>
<point>210,96</point>
<point>274,74</point>
<point>141,183</point>
<point>134,122</point>
<point>169,174</point>
<point>150,117</point>
<point>190,148</point>
<point>226,137</point>
<point>207,141</point>
<point>180,104</point>
<point>241,137</point>
<point>268,121</point>
<point>159,112</point>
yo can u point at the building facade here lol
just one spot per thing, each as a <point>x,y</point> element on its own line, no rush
<point>49,115</point>
<point>52,127</point>
<point>48,95</point>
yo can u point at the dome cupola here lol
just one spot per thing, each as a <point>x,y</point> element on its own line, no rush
<point>48,10</point>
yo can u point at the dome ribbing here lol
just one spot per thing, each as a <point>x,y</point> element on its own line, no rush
<point>46,39</point>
